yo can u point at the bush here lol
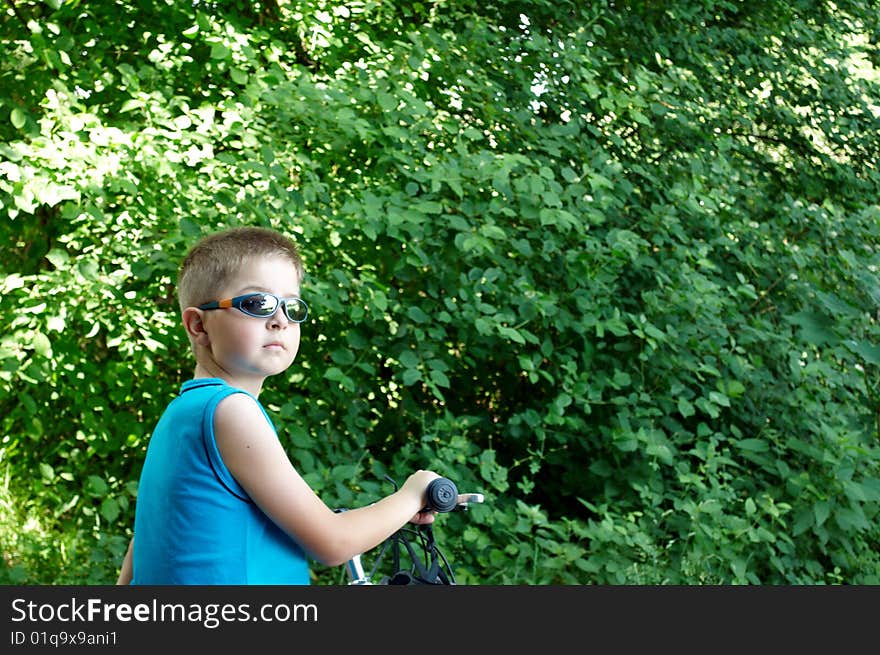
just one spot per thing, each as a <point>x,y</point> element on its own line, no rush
<point>615,266</point>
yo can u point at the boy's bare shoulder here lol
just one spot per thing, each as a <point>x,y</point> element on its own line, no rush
<point>240,414</point>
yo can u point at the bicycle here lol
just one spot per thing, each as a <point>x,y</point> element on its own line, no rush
<point>429,567</point>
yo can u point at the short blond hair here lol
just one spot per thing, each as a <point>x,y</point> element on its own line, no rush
<point>216,258</point>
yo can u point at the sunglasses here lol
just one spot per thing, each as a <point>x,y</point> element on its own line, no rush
<point>263,305</point>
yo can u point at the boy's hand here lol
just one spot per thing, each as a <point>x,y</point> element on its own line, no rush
<point>424,518</point>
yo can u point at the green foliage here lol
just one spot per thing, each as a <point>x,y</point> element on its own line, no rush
<point>613,265</point>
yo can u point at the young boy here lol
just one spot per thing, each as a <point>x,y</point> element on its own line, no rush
<point>219,502</point>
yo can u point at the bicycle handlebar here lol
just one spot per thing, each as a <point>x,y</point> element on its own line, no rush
<point>441,496</point>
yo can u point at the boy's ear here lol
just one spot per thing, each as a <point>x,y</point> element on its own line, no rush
<point>195,326</point>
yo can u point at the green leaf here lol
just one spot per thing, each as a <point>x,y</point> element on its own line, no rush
<point>220,51</point>
<point>439,378</point>
<point>510,333</point>
<point>59,258</point>
<point>47,472</point>
<point>685,408</point>
<point>42,345</point>
<point>821,512</point>
<point>411,376</point>
<point>96,486</point>
<point>88,268</point>
<point>18,118</point>
<point>190,228</point>
<point>110,510</point>
<point>417,315</point>
<point>868,351</point>
<point>816,328</point>
<point>753,445</point>
<point>719,399</point>
<point>862,492</point>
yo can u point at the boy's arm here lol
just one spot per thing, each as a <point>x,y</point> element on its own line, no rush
<point>255,457</point>
<point>127,570</point>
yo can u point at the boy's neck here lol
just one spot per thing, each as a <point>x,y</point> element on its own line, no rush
<point>252,385</point>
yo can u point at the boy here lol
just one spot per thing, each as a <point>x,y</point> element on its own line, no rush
<point>219,502</point>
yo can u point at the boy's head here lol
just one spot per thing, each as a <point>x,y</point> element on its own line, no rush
<point>215,259</point>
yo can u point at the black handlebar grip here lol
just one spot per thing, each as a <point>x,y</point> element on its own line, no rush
<point>442,495</point>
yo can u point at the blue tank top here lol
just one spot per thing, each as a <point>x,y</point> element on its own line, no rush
<point>194,524</point>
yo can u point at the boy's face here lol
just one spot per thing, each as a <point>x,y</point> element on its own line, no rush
<point>247,349</point>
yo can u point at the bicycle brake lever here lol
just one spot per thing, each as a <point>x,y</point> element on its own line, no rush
<point>466,499</point>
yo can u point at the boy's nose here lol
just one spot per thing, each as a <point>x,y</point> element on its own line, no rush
<point>277,320</point>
